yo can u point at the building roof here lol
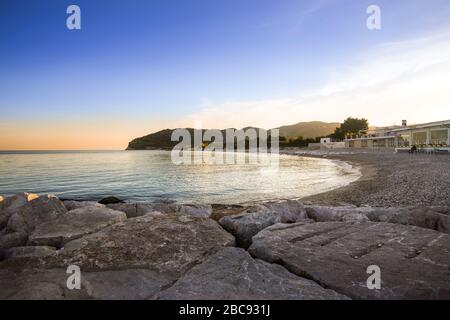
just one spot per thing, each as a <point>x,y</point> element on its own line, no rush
<point>444,123</point>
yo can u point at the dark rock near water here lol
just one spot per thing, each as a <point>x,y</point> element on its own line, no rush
<point>414,261</point>
<point>110,200</point>
<point>232,274</point>
<point>248,223</point>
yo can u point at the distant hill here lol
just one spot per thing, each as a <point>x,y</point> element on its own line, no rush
<point>162,139</point>
<point>157,140</point>
<point>308,130</point>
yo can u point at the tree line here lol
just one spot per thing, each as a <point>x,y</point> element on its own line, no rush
<point>350,126</point>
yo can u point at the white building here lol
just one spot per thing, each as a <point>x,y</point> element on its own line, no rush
<point>432,134</point>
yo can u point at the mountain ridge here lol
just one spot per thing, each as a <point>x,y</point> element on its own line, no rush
<point>162,139</point>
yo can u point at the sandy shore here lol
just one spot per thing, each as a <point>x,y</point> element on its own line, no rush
<point>388,179</point>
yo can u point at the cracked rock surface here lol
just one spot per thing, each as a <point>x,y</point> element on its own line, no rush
<point>233,274</point>
<point>169,243</point>
<point>74,224</point>
<point>414,262</point>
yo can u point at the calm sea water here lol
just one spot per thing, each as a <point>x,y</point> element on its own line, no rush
<point>150,175</point>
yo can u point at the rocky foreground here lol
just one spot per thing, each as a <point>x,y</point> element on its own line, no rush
<point>277,250</point>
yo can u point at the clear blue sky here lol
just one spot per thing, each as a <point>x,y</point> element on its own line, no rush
<point>168,58</point>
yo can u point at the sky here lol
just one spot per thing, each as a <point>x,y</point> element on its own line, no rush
<point>138,66</point>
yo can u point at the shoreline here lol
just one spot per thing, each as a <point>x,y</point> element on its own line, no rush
<point>292,187</point>
<point>387,179</point>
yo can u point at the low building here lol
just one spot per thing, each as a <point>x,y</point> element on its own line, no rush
<point>421,135</point>
<point>327,143</point>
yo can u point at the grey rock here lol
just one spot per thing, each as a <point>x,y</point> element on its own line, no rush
<point>326,214</point>
<point>163,207</point>
<point>130,209</point>
<point>434,218</point>
<point>245,225</point>
<point>11,205</point>
<point>222,210</point>
<point>133,284</point>
<point>196,210</point>
<point>417,216</point>
<point>72,205</point>
<point>355,217</point>
<point>13,239</point>
<point>74,224</point>
<point>34,212</point>
<point>232,274</point>
<point>50,284</point>
<point>414,261</point>
<point>29,252</point>
<point>290,210</point>
<point>133,210</point>
<point>442,210</point>
<point>18,282</point>
<point>169,243</point>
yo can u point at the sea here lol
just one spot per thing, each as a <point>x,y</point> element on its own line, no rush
<point>148,176</point>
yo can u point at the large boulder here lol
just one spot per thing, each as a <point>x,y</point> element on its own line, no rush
<point>131,284</point>
<point>51,284</point>
<point>72,204</point>
<point>13,239</point>
<point>11,205</point>
<point>417,216</point>
<point>414,261</point>
<point>74,224</point>
<point>326,214</point>
<point>248,223</point>
<point>139,209</point>
<point>39,210</point>
<point>29,252</point>
<point>232,274</point>
<point>134,259</point>
<point>169,243</point>
<point>35,284</point>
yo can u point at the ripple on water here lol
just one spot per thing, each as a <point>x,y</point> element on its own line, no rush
<point>150,175</point>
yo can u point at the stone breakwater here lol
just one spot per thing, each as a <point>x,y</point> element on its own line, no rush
<point>273,250</point>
